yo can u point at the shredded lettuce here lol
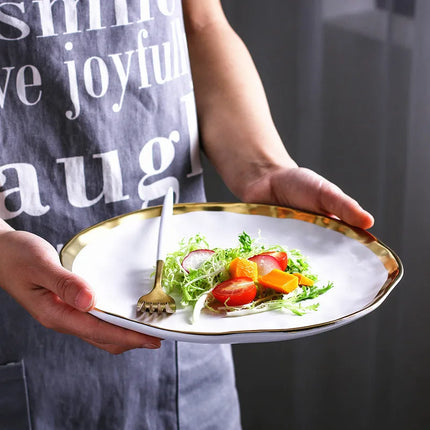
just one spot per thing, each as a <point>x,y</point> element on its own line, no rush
<point>194,286</point>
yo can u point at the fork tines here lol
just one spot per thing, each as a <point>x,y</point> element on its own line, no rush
<point>155,307</point>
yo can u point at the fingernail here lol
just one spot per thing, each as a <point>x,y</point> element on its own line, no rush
<point>84,300</point>
<point>152,345</point>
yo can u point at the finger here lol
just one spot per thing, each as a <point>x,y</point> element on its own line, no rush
<point>334,201</point>
<point>65,319</point>
<point>111,348</point>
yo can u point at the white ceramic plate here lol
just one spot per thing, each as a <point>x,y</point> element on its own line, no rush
<point>117,257</point>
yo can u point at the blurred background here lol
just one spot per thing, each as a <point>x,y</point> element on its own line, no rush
<point>348,82</point>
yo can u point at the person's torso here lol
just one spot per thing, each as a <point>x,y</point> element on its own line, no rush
<point>97,119</point>
<point>97,112</point>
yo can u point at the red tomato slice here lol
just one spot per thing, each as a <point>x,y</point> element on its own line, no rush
<point>265,263</point>
<point>238,291</point>
<point>280,256</point>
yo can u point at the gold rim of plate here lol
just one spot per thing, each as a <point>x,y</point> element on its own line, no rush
<point>388,257</point>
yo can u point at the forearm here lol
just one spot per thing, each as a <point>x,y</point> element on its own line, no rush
<point>237,130</point>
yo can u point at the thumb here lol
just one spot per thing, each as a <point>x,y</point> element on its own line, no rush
<point>70,288</point>
<point>303,188</point>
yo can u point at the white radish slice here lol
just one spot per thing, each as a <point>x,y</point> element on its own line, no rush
<point>265,263</point>
<point>196,258</point>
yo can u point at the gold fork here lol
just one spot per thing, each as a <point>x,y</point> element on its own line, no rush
<point>157,300</point>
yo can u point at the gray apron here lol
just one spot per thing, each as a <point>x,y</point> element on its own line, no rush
<point>97,119</point>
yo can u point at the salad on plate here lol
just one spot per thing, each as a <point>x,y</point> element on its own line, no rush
<point>241,280</point>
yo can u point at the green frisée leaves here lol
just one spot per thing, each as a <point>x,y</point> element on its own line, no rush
<point>313,292</point>
<point>297,263</point>
<point>245,242</point>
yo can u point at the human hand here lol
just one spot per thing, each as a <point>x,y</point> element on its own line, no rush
<point>304,189</point>
<point>30,271</point>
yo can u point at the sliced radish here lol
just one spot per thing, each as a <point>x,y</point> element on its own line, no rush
<point>265,263</point>
<point>196,258</point>
<point>280,256</point>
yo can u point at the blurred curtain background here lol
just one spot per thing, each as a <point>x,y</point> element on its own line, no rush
<point>349,86</point>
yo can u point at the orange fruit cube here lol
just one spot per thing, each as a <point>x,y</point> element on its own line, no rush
<point>241,267</point>
<point>303,280</point>
<point>280,281</point>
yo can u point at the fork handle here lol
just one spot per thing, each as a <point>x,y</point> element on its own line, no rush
<point>158,274</point>
<point>165,224</point>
